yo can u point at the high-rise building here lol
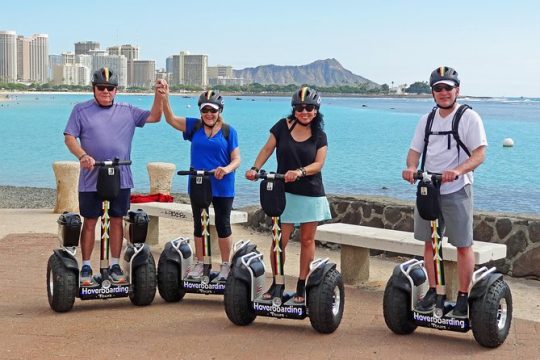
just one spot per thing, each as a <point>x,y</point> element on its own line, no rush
<point>131,52</point>
<point>189,69</point>
<point>71,74</point>
<point>39,58</point>
<point>8,56</point>
<point>68,58</point>
<point>23,58</point>
<point>144,73</point>
<point>84,60</point>
<point>195,70</point>
<point>83,47</point>
<point>53,61</point>
<point>220,71</point>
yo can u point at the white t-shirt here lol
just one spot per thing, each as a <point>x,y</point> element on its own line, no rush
<point>439,158</point>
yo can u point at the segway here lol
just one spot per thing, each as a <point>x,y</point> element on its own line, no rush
<point>176,260</point>
<point>63,281</point>
<point>490,299</point>
<point>325,295</point>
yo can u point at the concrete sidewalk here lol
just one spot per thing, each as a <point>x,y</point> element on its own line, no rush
<point>198,326</point>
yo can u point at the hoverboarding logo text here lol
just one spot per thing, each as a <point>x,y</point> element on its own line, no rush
<point>438,322</point>
<point>278,310</point>
<point>201,286</point>
<point>104,291</point>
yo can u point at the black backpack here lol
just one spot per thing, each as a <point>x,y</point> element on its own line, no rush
<point>225,128</point>
<point>453,132</point>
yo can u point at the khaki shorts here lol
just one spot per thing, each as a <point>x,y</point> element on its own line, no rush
<point>457,219</point>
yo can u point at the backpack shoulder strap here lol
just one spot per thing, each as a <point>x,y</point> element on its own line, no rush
<point>427,132</point>
<point>194,129</point>
<point>226,130</point>
<point>455,126</point>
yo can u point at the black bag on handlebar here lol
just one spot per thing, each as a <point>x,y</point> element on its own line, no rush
<point>428,200</point>
<point>273,197</point>
<point>200,191</point>
<point>108,182</point>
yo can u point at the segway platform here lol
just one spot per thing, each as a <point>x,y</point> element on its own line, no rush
<point>446,322</point>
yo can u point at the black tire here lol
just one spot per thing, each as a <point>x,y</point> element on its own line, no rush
<point>326,302</point>
<point>397,311</point>
<point>168,279</point>
<point>238,306</point>
<point>62,285</point>
<point>491,315</point>
<point>144,283</point>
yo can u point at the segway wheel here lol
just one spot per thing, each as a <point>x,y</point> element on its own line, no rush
<point>144,283</point>
<point>397,310</point>
<point>491,315</point>
<point>237,302</point>
<point>61,285</point>
<point>326,302</point>
<point>168,278</point>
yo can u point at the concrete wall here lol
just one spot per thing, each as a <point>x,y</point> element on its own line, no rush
<point>521,234</point>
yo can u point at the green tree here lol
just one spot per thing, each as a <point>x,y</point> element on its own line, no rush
<point>419,87</point>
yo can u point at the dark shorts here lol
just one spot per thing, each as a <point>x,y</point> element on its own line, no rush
<point>222,211</point>
<point>90,204</point>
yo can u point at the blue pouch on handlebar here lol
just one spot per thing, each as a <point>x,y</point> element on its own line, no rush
<point>108,182</point>
<point>272,197</point>
<point>428,202</point>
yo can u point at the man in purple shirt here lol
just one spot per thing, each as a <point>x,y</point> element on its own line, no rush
<point>105,131</point>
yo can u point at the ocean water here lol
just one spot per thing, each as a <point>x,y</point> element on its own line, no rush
<point>368,142</point>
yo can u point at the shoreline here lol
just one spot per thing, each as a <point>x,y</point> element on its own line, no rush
<point>28,197</point>
<point>6,95</point>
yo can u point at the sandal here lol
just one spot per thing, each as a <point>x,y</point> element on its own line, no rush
<point>300,296</point>
<point>270,293</point>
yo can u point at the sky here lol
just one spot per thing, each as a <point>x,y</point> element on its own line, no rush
<point>494,45</point>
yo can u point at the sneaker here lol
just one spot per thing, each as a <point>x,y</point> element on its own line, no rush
<point>428,301</point>
<point>462,305</point>
<point>86,278</point>
<point>224,271</point>
<point>116,274</point>
<point>197,271</point>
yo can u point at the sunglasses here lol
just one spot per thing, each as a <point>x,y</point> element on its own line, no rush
<point>300,108</point>
<point>441,87</point>
<point>206,110</point>
<point>110,88</point>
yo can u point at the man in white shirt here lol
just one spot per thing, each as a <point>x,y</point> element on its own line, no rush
<point>444,156</point>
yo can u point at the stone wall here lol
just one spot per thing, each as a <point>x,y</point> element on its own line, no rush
<point>521,234</point>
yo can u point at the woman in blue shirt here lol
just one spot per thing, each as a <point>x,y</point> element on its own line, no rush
<point>214,146</point>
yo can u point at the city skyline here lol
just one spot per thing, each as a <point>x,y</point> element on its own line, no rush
<point>391,42</point>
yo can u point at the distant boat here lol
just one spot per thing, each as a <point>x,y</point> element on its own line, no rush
<point>238,98</point>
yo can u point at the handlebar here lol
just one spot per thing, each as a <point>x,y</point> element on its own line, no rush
<point>114,162</point>
<point>196,172</point>
<point>428,177</point>
<point>264,175</point>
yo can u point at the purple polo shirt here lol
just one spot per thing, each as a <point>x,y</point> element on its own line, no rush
<point>104,135</point>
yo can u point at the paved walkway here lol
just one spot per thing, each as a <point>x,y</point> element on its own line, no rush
<point>197,327</point>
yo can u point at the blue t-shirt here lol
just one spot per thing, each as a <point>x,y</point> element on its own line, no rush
<point>210,153</point>
<point>105,133</point>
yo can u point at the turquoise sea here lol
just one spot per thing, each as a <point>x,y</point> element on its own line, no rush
<point>368,142</point>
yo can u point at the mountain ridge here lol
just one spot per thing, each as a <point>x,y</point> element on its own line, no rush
<point>328,72</point>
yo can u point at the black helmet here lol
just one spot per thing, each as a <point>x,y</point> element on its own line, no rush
<point>212,98</point>
<point>444,73</point>
<point>104,76</point>
<point>306,96</point>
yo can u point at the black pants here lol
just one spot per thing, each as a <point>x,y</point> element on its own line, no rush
<point>222,210</point>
